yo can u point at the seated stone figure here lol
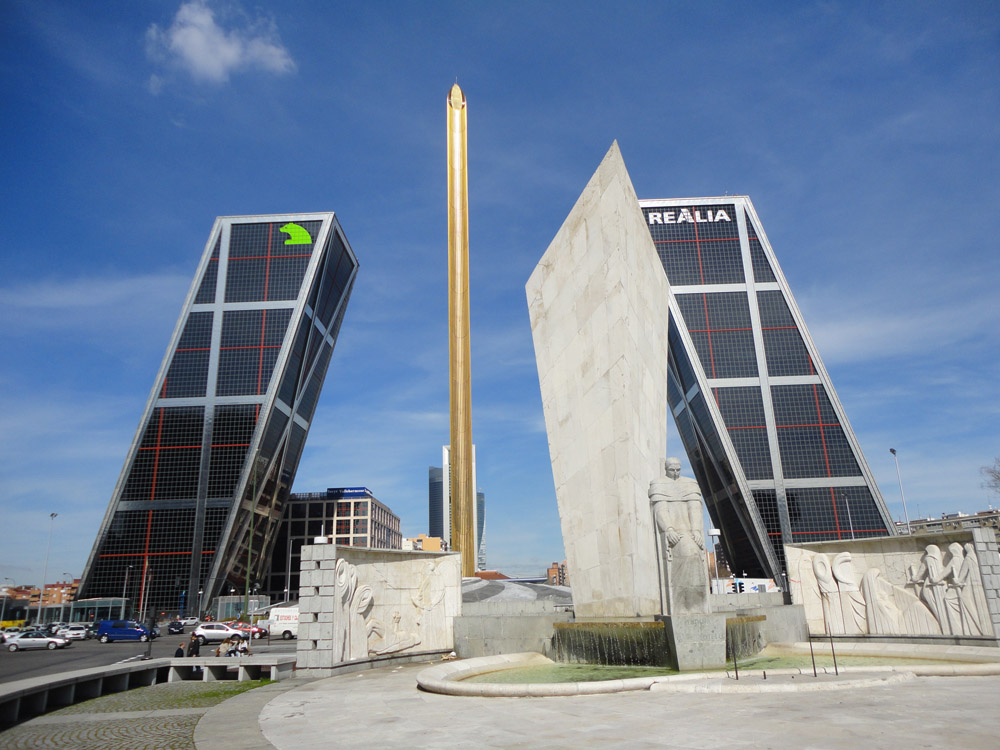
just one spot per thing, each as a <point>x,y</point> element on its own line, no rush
<point>676,505</point>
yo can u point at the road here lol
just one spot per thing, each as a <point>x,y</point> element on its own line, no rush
<point>93,653</point>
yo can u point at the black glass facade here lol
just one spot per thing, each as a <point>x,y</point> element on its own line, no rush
<point>760,422</point>
<point>223,433</point>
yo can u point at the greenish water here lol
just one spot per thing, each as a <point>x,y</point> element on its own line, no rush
<point>550,673</point>
<point>802,661</point>
<point>560,672</point>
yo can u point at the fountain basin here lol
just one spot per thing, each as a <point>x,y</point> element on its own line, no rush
<point>451,678</point>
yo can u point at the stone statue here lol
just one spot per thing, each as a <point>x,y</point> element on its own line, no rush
<point>961,601</point>
<point>833,617</point>
<point>676,506</point>
<point>929,580</point>
<point>852,603</point>
<point>353,602</point>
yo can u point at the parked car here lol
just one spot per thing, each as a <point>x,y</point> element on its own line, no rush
<point>215,631</point>
<point>248,630</point>
<point>121,630</point>
<point>55,627</point>
<point>189,621</point>
<point>35,639</point>
<point>175,627</point>
<point>73,632</point>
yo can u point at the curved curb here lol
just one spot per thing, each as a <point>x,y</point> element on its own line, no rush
<point>717,684</point>
<point>447,679</point>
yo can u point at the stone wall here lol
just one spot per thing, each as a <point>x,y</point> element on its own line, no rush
<point>359,602</point>
<point>944,585</point>
<point>490,628</point>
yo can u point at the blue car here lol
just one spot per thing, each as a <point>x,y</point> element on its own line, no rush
<point>121,630</point>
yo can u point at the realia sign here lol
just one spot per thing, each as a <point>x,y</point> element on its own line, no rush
<point>687,215</point>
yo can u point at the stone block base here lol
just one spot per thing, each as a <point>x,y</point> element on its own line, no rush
<point>697,641</point>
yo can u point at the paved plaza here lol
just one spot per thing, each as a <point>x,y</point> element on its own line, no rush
<point>384,708</point>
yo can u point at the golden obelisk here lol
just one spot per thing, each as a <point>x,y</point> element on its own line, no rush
<point>462,492</point>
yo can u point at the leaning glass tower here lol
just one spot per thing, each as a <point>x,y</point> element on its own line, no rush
<point>766,435</point>
<point>197,505</point>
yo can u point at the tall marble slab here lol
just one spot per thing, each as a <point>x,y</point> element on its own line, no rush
<point>598,304</point>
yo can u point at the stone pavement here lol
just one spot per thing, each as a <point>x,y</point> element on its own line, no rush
<point>160,717</point>
<point>383,708</point>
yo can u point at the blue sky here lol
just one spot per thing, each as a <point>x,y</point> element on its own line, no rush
<point>866,135</point>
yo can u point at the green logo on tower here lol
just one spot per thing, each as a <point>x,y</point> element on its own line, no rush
<point>296,235</point>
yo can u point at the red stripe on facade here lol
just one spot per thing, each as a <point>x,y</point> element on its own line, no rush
<point>260,360</point>
<point>145,556</point>
<point>154,554</point>
<point>714,239</point>
<point>263,257</point>
<point>156,458</point>
<point>267,265</point>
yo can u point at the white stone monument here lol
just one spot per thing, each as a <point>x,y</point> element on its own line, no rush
<point>356,603</point>
<point>598,303</point>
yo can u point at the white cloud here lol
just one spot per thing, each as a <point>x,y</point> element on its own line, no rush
<point>198,45</point>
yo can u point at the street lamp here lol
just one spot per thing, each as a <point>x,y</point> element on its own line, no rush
<point>62,601</point>
<point>6,596</point>
<point>45,570</point>
<point>843,496</point>
<point>121,615</point>
<point>899,479</point>
<point>715,534</point>
<point>259,464</point>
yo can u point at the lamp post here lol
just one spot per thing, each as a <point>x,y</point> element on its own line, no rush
<point>45,570</point>
<point>843,496</point>
<point>899,479</point>
<point>259,463</point>
<point>62,601</point>
<point>715,534</point>
<point>6,596</point>
<point>121,615</point>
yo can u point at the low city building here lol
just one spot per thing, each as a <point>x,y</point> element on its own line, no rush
<point>347,516</point>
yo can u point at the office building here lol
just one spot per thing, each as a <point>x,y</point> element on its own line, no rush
<point>437,512</point>
<point>195,511</point>
<point>348,516</point>
<point>439,505</point>
<point>763,429</point>
<point>480,530</point>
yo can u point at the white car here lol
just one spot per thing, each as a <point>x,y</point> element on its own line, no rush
<point>35,639</point>
<point>73,632</point>
<point>215,631</point>
<point>185,621</point>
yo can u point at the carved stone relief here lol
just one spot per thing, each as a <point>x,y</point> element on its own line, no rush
<point>939,593</point>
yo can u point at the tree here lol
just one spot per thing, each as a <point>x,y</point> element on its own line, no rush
<point>991,476</point>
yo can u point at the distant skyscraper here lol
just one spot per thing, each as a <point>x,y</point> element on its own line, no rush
<point>225,424</point>
<point>760,421</point>
<point>438,518</point>
<point>480,530</point>
<point>439,505</point>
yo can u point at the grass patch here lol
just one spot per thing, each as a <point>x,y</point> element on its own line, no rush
<point>165,696</point>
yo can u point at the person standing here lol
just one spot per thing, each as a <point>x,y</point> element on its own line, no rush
<point>194,646</point>
<point>179,653</point>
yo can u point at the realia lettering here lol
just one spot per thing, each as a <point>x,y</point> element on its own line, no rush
<point>687,216</point>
